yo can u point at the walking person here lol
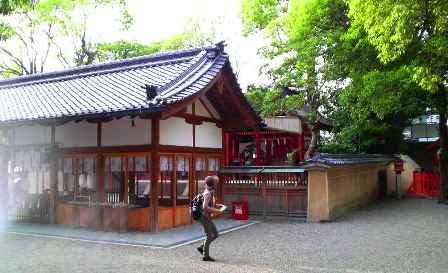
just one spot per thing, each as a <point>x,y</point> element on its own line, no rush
<point>209,207</point>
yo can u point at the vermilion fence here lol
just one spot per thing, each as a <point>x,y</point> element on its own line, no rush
<point>425,184</point>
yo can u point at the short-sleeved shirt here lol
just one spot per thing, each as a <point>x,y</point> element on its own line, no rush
<point>209,202</point>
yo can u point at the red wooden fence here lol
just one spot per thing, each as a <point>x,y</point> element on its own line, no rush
<point>425,184</point>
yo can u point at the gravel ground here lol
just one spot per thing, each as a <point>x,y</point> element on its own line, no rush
<point>410,235</point>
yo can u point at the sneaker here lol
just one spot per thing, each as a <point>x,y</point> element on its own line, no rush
<point>208,259</point>
<point>201,250</point>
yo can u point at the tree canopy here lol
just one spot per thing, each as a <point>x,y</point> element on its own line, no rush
<point>413,35</point>
<point>318,44</point>
<point>379,100</point>
<point>8,6</point>
<point>43,30</point>
<point>369,66</point>
<point>193,35</point>
<point>304,36</point>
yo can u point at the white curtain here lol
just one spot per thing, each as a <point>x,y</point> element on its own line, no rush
<point>183,164</point>
<point>213,164</point>
<point>200,164</point>
<point>166,163</point>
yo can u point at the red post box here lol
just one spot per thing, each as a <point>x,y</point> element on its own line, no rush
<point>239,210</point>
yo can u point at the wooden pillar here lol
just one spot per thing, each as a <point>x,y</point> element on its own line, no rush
<point>228,145</point>
<point>301,141</point>
<point>155,169</point>
<point>192,189</point>
<point>258,148</point>
<point>263,194</point>
<point>126,180</point>
<point>220,194</point>
<point>99,166</point>
<point>53,177</point>
<point>4,158</point>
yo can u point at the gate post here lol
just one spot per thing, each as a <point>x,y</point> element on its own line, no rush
<point>318,203</point>
<point>263,192</point>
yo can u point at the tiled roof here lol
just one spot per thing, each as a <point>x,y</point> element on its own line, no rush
<point>345,159</point>
<point>107,89</point>
<point>260,169</point>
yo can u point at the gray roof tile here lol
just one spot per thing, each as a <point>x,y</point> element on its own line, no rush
<point>348,159</point>
<point>110,87</point>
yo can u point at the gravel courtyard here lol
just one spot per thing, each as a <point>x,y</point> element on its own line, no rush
<point>410,235</point>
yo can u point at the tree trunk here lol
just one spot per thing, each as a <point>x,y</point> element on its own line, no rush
<point>443,161</point>
<point>313,145</point>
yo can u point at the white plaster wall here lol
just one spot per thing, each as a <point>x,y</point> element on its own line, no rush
<point>36,134</point>
<point>175,131</point>
<point>202,111</point>
<point>208,135</point>
<point>81,134</point>
<point>407,175</point>
<point>120,132</point>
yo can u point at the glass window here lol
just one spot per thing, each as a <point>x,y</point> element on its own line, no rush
<point>201,173</point>
<point>28,184</point>
<point>66,179</point>
<point>114,177</point>
<point>183,180</point>
<point>165,186</point>
<point>213,165</point>
<point>205,166</point>
<point>139,180</point>
<point>77,179</point>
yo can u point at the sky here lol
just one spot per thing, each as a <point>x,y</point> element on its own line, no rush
<point>156,20</point>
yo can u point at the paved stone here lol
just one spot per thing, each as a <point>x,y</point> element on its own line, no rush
<point>164,239</point>
<point>410,235</point>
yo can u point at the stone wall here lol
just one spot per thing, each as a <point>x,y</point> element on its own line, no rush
<point>335,190</point>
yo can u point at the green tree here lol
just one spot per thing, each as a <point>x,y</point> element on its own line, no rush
<point>265,100</point>
<point>8,6</point>
<point>303,35</point>
<point>414,32</point>
<point>375,107</point>
<point>124,49</point>
<point>377,101</point>
<point>193,35</point>
<point>48,29</point>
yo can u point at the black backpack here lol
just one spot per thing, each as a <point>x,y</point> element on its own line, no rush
<point>196,206</point>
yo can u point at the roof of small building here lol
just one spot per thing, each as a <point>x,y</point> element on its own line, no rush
<point>323,159</point>
<point>136,86</point>
<point>260,169</point>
